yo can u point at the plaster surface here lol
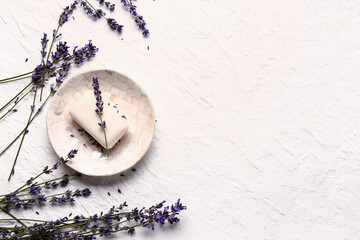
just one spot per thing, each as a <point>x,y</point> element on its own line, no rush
<point>257,106</point>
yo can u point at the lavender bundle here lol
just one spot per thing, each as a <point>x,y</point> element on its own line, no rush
<point>31,192</point>
<point>76,227</point>
<point>102,224</point>
<point>57,64</point>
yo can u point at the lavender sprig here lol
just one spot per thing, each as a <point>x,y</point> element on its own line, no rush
<point>91,10</point>
<point>64,16</point>
<point>99,109</point>
<point>114,25</point>
<point>139,20</point>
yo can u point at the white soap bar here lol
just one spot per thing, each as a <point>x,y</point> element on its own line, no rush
<point>83,112</point>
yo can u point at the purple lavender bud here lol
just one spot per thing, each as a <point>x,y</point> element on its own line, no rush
<point>114,25</point>
<point>99,103</point>
<point>138,18</point>
<point>72,153</point>
<point>84,53</point>
<point>44,42</point>
<point>62,51</point>
<point>87,8</point>
<point>112,7</point>
<point>47,170</point>
<point>29,182</point>
<point>86,192</point>
<point>99,13</point>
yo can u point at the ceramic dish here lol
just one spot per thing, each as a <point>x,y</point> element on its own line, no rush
<point>127,98</point>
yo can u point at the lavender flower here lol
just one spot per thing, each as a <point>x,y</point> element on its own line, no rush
<point>99,102</point>
<point>62,51</point>
<point>84,53</point>
<point>41,70</point>
<point>138,18</point>
<point>62,72</point>
<point>87,8</point>
<point>114,25</point>
<point>99,13</point>
<point>99,108</point>
<point>94,13</point>
<point>64,16</point>
<point>44,42</point>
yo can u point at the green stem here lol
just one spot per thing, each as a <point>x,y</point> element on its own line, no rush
<point>14,218</point>
<point>23,136</point>
<point>23,219</point>
<point>106,144</point>
<point>15,105</point>
<point>15,97</point>
<point>16,76</point>
<point>12,79</point>
<point>1,82</point>
<point>32,119</point>
<point>80,223</point>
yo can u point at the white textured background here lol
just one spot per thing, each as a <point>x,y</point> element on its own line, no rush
<point>257,104</point>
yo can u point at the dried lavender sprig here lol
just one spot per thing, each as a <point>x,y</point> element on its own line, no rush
<point>26,203</point>
<point>64,16</point>
<point>50,183</point>
<point>99,109</point>
<point>139,20</point>
<point>114,25</point>
<point>90,9</point>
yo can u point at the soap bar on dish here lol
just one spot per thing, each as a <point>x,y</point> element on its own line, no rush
<point>83,112</point>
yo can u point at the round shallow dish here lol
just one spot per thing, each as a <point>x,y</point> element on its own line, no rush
<point>123,94</point>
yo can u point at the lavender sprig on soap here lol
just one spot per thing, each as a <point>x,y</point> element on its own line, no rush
<point>99,109</point>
